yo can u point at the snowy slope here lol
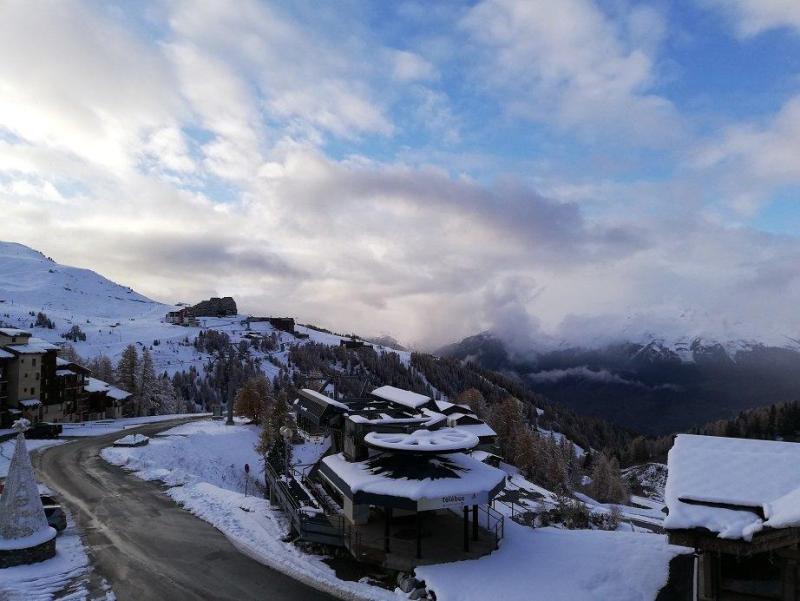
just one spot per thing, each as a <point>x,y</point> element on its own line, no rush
<point>113,316</point>
<point>32,282</point>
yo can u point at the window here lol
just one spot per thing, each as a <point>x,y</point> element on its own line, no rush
<point>34,361</point>
<point>37,375</point>
<point>33,391</point>
<point>757,576</point>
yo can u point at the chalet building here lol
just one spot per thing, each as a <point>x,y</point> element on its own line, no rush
<point>736,502</point>
<point>182,317</point>
<point>37,384</point>
<point>354,343</point>
<point>284,324</point>
<point>102,401</point>
<point>398,486</point>
<point>27,380</point>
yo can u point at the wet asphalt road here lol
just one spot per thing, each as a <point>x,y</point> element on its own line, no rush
<point>145,545</point>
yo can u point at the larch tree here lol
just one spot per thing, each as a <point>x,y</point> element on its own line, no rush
<point>247,403</point>
<point>473,399</point>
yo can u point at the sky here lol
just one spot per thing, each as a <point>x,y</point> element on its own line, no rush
<point>550,171</point>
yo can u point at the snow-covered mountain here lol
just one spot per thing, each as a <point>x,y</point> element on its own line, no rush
<point>111,315</point>
<point>33,282</point>
<point>653,384</point>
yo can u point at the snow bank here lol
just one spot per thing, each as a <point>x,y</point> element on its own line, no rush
<point>558,565</point>
<point>202,451</point>
<point>132,440</point>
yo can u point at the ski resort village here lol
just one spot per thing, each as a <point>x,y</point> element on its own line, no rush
<point>191,451</point>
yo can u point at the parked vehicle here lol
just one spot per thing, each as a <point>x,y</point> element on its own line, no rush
<point>44,430</point>
<point>54,512</point>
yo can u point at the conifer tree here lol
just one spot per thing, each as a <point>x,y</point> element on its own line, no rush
<point>128,370</point>
<point>148,385</point>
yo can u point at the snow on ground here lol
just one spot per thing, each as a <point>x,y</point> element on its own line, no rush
<point>7,450</point>
<point>203,463</point>
<point>65,576</point>
<point>548,564</point>
<point>107,426</point>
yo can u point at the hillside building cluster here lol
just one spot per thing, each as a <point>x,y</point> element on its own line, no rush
<point>401,481</point>
<point>37,384</point>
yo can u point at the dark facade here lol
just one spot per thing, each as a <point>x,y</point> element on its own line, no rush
<point>765,568</point>
<point>215,307</point>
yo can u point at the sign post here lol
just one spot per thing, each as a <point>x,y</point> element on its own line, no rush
<point>246,477</point>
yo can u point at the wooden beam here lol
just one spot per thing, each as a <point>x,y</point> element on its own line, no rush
<point>705,540</point>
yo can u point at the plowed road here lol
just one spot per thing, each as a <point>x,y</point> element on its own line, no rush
<point>142,543</point>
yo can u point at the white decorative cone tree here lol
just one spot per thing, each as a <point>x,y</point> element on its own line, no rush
<point>23,523</point>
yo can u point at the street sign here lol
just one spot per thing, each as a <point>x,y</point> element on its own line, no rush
<point>246,468</point>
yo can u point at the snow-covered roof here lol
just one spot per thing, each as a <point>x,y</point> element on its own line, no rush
<point>5,354</point>
<point>446,440</point>
<point>34,346</point>
<point>324,398</point>
<point>469,482</point>
<point>14,332</point>
<point>95,385</point>
<point>732,486</point>
<point>30,402</point>
<point>479,430</point>
<point>401,397</point>
<point>64,372</point>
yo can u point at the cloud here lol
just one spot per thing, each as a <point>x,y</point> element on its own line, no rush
<point>568,61</point>
<point>584,373</point>
<point>750,160</point>
<point>203,151</point>
<point>752,17</point>
<point>409,66</point>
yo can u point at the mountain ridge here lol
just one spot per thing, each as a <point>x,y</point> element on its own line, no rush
<point>653,387</point>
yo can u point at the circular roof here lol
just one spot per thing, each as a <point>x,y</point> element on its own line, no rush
<point>446,440</point>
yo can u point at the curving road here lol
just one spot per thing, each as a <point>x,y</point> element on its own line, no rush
<point>142,543</point>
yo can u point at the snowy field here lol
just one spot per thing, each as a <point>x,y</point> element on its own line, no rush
<point>548,564</point>
<point>202,463</point>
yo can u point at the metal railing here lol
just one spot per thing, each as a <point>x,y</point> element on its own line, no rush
<point>316,527</point>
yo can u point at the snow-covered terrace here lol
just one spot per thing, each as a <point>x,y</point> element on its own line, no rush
<point>732,487</point>
<point>456,480</point>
